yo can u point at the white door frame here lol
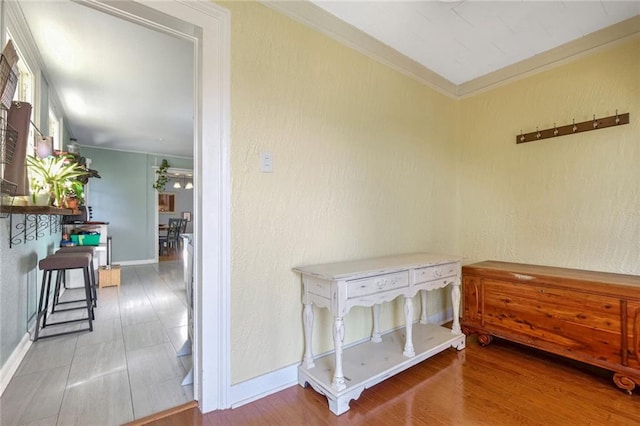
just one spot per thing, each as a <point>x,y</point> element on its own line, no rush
<point>208,27</point>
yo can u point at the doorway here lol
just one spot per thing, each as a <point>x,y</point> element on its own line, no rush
<point>207,26</point>
<point>174,202</point>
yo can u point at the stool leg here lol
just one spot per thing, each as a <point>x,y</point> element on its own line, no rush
<point>47,297</point>
<point>94,285</point>
<point>45,276</point>
<point>56,293</point>
<point>87,290</point>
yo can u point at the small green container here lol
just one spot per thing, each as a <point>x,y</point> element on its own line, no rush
<point>86,240</point>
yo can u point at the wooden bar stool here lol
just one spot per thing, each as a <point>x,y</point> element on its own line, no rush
<point>94,284</point>
<point>59,263</point>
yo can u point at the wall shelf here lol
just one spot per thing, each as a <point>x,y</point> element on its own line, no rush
<point>42,210</point>
<point>36,221</point>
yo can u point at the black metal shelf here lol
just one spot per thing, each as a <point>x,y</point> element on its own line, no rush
<point>36,221</point>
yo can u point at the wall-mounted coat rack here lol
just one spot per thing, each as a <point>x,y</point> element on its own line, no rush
<point>569,129</point>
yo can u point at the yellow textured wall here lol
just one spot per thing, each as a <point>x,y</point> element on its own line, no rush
<point>573,201</point>
<point>369,162</point>
<point>364,165</point>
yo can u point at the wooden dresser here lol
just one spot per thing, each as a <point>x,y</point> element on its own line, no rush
<point>592,317</point>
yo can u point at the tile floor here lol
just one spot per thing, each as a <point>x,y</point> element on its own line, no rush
<point>127,368</point>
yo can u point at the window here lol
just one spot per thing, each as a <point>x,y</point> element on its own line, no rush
<point>25,91</point>
<point>54,129</point>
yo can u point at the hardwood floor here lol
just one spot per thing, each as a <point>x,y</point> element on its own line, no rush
<point>501,384</point>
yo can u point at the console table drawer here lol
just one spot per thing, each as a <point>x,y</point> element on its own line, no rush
<point>434,272</point>
<point>379,284</point>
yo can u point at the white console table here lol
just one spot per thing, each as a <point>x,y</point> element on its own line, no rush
<point>344,374</point>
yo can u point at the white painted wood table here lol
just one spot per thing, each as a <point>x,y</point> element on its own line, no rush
<point>342,375</point>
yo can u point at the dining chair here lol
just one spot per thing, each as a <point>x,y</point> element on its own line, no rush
<point>169,243</point>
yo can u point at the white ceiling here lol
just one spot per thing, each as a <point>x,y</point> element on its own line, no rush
<point>122,86</point>
<point>128,87</point>
<point>464,40</point>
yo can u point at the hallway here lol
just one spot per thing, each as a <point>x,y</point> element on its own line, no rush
<point>127,368</point>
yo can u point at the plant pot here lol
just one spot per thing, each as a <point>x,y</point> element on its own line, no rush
<point>71,203</point>
<point>40,199</point>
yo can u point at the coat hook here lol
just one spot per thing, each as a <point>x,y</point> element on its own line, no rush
<point>595,122</point>
<point>574,126</point>
<point>522,138</point>
<point>538,135</point>
<point>555,130</point>
<point>617,118</point>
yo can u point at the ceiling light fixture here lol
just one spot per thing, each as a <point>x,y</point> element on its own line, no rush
<point>181,182</point>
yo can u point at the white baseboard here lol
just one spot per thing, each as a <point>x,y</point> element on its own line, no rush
<point>275,381</point>
<point>261,386</point>
<point>11,366</point>
<point>441,317</point>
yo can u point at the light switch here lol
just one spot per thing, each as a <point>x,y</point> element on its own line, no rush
<point>266,162</point>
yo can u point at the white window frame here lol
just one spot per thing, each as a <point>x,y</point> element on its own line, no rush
<point>29,69</point>
<point>55,128</point>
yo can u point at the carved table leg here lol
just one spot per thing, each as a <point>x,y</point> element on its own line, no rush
<point>338,337</point>
<point>375,337</point>
<point>455,302</point>
<point>408,317</point>
<point>307,318</point>
<point>423,303</point>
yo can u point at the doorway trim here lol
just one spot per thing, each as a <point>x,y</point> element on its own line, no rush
<point>208,26</point>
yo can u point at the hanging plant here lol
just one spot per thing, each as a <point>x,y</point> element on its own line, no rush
<point>161,176</point>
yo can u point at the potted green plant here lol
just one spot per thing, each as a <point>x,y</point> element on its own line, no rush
<point>162,177</point>
<point>73,194</point>
<point>55,174</point>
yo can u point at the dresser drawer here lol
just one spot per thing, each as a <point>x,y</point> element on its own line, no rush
<point>378,284</point>
<point>434,272</point>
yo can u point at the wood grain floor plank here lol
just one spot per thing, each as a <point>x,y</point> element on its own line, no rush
<point>501,384</point>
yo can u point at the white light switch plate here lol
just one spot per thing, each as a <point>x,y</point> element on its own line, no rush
<point>266,162</point>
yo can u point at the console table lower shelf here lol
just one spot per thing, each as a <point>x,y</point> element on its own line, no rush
<point>368,363</point>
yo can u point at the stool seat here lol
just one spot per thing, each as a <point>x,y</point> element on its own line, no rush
<point>77,249</point>
<point>83,249</point>
<point>66,261</point>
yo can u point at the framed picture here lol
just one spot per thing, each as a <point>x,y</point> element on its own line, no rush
<point>186,215</point>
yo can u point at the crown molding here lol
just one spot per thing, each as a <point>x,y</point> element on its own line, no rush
<point>568,52</point>
<point>322,21</point>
